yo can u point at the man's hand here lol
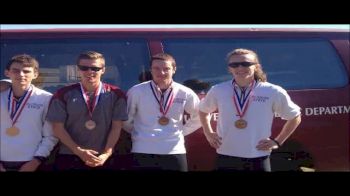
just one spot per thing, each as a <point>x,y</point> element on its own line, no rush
<point>213,139</point>
<point>88,156</point>
<point>103,158</point>
<point>30,166</point>
<point>266,145</point>
<point>2,169</point>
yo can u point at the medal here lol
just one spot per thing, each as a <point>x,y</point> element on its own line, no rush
<point>90,124</point>
<point>12,131</point>
<point>91,104</point>
<point>241,124</point>
<point>163,120</point>
<point>164,104</point>
<point>15,108</point>
<point>241,104</point>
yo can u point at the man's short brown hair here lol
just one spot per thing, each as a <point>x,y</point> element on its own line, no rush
<point>25,60</point>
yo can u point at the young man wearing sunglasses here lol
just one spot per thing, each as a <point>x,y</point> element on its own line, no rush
<point>247,105</point>
<point>87,117</point>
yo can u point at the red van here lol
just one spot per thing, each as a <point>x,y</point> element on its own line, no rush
<point>312,64</point>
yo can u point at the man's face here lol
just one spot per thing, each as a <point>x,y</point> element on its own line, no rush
<point>91,70</point>
<point>21,75</point>
<point>246,66</point>
<point>162,71</point>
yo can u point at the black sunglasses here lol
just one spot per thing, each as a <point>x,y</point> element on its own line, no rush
<point>244,64</point>
<point>85,68</point>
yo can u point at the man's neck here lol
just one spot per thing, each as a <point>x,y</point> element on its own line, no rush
<point>244,83</point>
<point>18,91</point>
<point>90,87</point>
<point>164,84</point>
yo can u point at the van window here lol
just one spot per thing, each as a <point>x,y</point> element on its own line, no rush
<point>125,59</point>
<point>291,63</point>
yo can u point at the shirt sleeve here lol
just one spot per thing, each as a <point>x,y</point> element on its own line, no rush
<point>131,110</point>
<point>284,107</point>
<point>191,107</point>
<point>48,139</point>
<point>57,110</point>
<point>120,109</point>
<point>209,103</point>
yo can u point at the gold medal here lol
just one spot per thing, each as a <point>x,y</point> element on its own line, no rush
<point>90,124</point>
<point>241,124</point>
<point>12,131</point>
<point>163,120</point>
<point>242,102</point>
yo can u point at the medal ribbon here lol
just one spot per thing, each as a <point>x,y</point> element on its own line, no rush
<point>15,108</point>
<point>243,101</point>
<point>163,108</point>
<point>87,98</point>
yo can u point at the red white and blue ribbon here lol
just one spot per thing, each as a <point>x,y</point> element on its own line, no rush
<point>15,107</point>
<point>95,100</point>
<point>242,101</point>
<point>164,104</point>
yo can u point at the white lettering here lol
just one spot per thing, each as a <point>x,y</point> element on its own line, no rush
<point>316,111</point>
<point>327,110</point>
<point>321,110</point>
<point>216,116</point>
<point>340,109</point>
<point>334,110</point>
<point>308,111</point>
<point>347,109</point>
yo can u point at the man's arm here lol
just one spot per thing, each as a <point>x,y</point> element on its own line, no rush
<point>131,110</point>
<point>86,155</point>
<point>48,141</point>
<point>2,169</point>
<point>194,122</point>
<point>288,128</point>
<point>45,147</point>
<point>212,137</point>
<point>112,140</point>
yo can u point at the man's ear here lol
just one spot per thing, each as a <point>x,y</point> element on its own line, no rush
<point>36,74</point>
<point>103,70</point>
<point>229,70</point>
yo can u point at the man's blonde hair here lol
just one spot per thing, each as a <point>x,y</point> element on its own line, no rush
<point>259,74</point>
<point>93,56</point>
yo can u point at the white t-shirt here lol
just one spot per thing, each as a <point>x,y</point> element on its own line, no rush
<point>266,102</point>
<point>148,136</point>
<point>35,137</point>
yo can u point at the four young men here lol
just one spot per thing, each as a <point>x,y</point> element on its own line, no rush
<point>87,117</point>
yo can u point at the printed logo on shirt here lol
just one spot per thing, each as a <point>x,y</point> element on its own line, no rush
<point>260,98</point>
<point>36,106</point>
<point>179,100</point>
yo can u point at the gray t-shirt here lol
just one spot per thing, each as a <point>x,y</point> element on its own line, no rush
<point>68,106</point>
